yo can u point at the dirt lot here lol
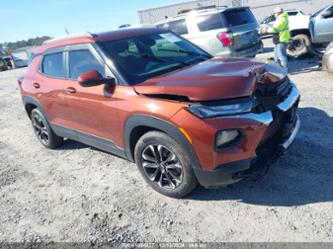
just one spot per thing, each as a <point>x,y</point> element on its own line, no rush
<point>77,193</point>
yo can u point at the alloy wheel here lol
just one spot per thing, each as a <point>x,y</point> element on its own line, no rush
<point>162,166</point>
<point>299,44</point>
<point>40,128</point>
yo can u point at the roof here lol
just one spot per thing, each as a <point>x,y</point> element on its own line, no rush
<point>89,37</point>
<point>169,5</point>
<point>67,37</point>
<point>211,10</point>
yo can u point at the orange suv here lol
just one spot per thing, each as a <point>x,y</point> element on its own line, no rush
<point>156,99</point>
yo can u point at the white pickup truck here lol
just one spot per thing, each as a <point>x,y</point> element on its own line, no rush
<point>299,29</point>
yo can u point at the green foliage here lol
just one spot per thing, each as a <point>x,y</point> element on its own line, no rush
<point>8,47</point>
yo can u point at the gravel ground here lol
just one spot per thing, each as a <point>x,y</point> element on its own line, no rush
<point>77,193</point>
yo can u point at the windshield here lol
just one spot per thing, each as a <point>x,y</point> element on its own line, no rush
<point>142,57</point>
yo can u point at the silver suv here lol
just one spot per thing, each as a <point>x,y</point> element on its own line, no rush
<point>321,25</point>
<point>221,31</point>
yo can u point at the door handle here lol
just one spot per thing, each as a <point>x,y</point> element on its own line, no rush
<point>36,85</point>
<point>71,90</point>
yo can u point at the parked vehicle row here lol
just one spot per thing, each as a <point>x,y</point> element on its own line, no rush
<point>21,56</point>
<point>221,31</point>
<point>183,116</point>
<point>3,65</point>
<point>6,62</point>
<point>307,31</point>
<point>299,31</point>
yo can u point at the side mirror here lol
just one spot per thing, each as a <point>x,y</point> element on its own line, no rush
<point>327,14</point>
<point>94,78</point>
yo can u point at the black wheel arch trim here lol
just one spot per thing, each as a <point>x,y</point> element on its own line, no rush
<point>32,100</point>
<point>157,124</point>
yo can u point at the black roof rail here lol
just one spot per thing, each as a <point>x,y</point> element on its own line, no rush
<point>184,11</point>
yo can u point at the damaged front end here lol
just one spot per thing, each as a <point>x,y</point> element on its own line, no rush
<point>280,99</point>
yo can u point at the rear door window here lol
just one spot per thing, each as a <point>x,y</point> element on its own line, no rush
<point>292,13</point>
<point>179,26</point>
<point>53,65</point>
<point>236,17</point>
<point>210,22</point>
<point>81,61</point>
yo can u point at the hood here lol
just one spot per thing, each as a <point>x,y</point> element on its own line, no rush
<point>215,79</point>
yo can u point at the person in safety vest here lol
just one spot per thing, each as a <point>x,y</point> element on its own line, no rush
<point>281,36</point>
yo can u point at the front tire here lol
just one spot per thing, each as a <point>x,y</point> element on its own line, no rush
<point>300,45</point>
<point>43,130</point>
<point>164,164</point>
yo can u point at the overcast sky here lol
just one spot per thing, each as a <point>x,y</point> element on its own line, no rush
<point>23,19</point>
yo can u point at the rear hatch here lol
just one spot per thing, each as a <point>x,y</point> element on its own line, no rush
<point>243,26</point>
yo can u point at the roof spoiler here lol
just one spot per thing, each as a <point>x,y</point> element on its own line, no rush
<point>184,11</point>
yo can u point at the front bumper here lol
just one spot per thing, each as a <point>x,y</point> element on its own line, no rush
<point>269,134</point>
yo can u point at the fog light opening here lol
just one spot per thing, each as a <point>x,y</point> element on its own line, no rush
<point>227,138</point>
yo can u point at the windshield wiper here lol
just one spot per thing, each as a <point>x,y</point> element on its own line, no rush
<point>183,51</point>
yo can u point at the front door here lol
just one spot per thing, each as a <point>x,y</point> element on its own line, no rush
<point>94,114</point>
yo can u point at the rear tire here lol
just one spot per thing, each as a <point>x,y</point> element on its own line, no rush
<point>43,130</point>
<point>300,45</point>
<point>164,164</point>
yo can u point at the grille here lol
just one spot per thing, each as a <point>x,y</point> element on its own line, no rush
<point>269,96</point>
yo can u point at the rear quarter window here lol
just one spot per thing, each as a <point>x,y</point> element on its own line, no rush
<point>210,22</point>
<point>237,17</point>
<point>53,65</point>
<point>179,27</point>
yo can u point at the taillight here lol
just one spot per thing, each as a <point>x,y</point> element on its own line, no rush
<point>225,38</point>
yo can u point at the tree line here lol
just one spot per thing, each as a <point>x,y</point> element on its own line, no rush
<point>8,47</point>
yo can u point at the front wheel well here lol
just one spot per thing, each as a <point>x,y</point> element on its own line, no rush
<point>137,125</point>
<point>29,107</point>
<point>300,31</point>
<point>138,132</point>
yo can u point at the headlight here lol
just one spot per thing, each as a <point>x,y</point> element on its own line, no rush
<point>210,111</point>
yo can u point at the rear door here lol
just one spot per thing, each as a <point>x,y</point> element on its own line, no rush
<point>51,86</point>
<point>243,25</point>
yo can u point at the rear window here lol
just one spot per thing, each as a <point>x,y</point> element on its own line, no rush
<point>292,13</point>
<point>236,17</point>
<point>179,26</point>
<point>210,22</point>
<point>53,65</point>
